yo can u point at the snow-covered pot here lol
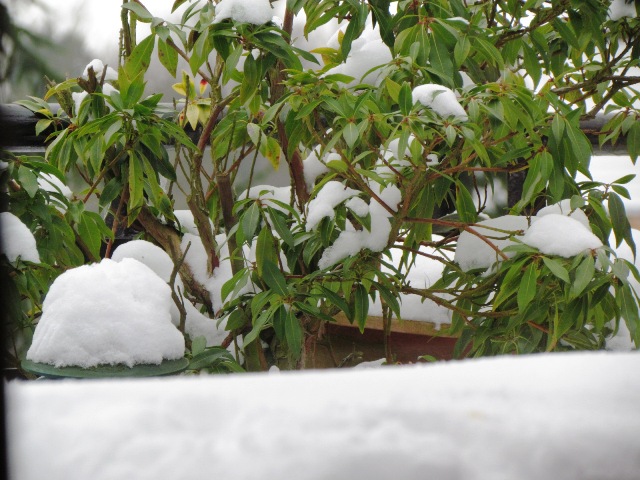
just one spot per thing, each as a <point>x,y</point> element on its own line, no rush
<point>110,316</point>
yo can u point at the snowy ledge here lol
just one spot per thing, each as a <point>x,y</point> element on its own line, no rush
<point>548,416</point>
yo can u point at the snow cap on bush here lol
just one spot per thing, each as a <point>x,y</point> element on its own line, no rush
<point>560,235</point>
<point>107,313</point>
<point>440,99</point>
<point>563,207</point>
<point>256,12</point>
<point>98,67</point>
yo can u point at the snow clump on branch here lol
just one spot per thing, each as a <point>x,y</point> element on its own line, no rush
<point>256,12</point>
<point>440,99</point>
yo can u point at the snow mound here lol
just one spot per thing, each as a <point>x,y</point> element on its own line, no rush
<point>17,239</point>
<point>440,99</point>
<point>257,12</point>
<point>555,234</point>
<point>473,252</point>
<point>107,313</point>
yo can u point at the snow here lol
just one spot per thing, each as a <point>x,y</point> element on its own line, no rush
<point>17,239</point>
<point>107,313</point>
<point>265,193</point>
<point>313,167</point>
<point>367,53</point>
<point>564,208</point>
<point>350,242</point>
<point>51,183</point>
<point>440,99</point>
<point>558,416</point>
<point>332,194</point>
<point>556,234</point>
<point>98,66</point>
<point>77,98</point>
<point>257,12</point>
<point>473,252</point>
<point>146,252</point>
<point>420,273</point>
<point>622,8</point>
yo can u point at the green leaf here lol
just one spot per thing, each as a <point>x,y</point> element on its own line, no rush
<point>293,334</point>
<point>461,50</point>
<point>274,278</point>
<point>235,283</point>
<point>280,226</point>
<point>209,358</point>
<point>250,221</point>
<point>350,134</point>
<point>28,180</point>
<point>139,60</point>
<point>633,141</point>
<point>629,310</point>
<point>136,182</point>
<point>168,57</point>
<point>557,269</point>
<point>464,204</point>
<point>583,276</point>
<point>619,220</point>
<point>177,4</point>
<point>265,249</point>
<point>141,12</point>
<point>405,99</point>
<point>389,299</point>
<point>557,128</point>
<point>528,287</point>
<point>579,146</point>
<point>336,300</point>
<point>42,125</point>
<point>440,59</point>
<point>393,88</point>
<point>360,306</point>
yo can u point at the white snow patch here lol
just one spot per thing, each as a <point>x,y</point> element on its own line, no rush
<point>555,234</point>
<point>98,67</point>
<point>257,12</point>
<point>622,8</point>
<point>51,183</point>
<point>440,99</point>
<point>265,193</point>
<point>421,273</point>
<point>17,241</point>
<point>313,167</point>
<point>367,53</point>
<point>563,207</point>
<point>146,252</point>
<point>473,252</point>
<point>546,416</point>
<point>350,242</point>
<point>107,313</point>
<point>332,194</point>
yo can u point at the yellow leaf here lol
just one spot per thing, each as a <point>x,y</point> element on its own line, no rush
<point>179,87</point>
<point>192,115</point>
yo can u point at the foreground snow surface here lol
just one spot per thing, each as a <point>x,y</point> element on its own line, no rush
<point>548,416</point>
